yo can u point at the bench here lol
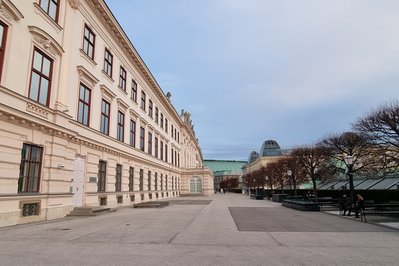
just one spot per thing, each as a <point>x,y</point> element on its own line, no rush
<point>301,205</point>
<point>381,209</point>
<point>257,196</point>
<point>329,204</point>
<point>279,197</point>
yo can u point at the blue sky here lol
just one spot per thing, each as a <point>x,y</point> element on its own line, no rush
<point>252,70</point>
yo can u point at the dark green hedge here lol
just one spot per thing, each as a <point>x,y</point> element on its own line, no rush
<point>375,195</point>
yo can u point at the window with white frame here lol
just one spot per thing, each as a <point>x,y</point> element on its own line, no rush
<point>105,114</point>
<point>3,38</point>
<point>30,168</point>
<point>41,74</point>
<point>121,126</point>
<point>134,91</point>
<point>88,42</point>
<point>122,78</point>
<point>84,105</point>
<point>51,8</point>
<point>118,178</point>
<point>108,60</point>
<point>132,141</point>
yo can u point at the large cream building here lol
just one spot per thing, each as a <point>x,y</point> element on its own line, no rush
<point>82,120</point>
<point>270,152</point>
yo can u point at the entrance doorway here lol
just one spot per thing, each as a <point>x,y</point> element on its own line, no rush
<point>77,183</point>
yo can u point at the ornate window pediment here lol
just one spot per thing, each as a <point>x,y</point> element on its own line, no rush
<point>74,3</point>
<point>122,105</point>
<point>107,93</point>
<point>45,41</point>
<point>143,121</point>
<point>133,114</point>
<point>9,11</point>
<point>85,75</point>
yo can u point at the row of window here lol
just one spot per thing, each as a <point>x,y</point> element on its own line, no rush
<point>39,91</point>
<point>160,148</point>
<point>88,49</point>
<point>159,181</point>
<point>31,165</point>
<point>42,69</point>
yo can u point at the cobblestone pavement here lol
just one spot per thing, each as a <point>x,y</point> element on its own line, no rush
<point>227,229</point>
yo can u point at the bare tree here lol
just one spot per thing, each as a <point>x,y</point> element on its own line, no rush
<point>259,178</point>
<point>294,170</point>
<point>353,144</point>
<point>229,183</point>
<point>276,174</point>
<point>382,126</point>
<point>358,147</point>
<point>313,161</point>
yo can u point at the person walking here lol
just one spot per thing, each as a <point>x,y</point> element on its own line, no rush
<point>343,205</point>
<point>359,205</point>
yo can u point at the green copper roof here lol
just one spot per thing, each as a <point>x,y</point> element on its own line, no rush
<point>224,167</point>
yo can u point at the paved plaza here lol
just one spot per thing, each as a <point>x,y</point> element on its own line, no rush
<point>228,229</point>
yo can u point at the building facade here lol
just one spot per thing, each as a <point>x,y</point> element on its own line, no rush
<point>269,152</point>
<point>225,169</point>
<point>82,120</point>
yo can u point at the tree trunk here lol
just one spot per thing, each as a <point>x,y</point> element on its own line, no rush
<point>314,187</point>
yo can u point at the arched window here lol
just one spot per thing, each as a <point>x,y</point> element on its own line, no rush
<point>195,185</point>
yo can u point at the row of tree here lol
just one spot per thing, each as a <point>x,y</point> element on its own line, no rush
<point>229,183</point>
<point>373,144</point>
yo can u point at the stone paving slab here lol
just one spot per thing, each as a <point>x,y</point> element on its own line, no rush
<point>290,220</point>
<point>387,221</point>
<point>198,235</point>
<point>190,202</point>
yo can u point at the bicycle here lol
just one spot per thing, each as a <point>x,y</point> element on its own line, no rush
<point>360,212</point>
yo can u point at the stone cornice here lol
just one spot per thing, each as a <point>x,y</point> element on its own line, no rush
<point>10,11</point>
<point>125,44</point>
<point>118,35</point>
<point>16,117</point>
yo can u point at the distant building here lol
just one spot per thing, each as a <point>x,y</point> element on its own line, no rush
<point>270,151</point>
<point>224,169</point>
<point>83,122</point>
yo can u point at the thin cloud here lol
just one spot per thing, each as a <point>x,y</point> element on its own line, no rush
<point>253,70</point>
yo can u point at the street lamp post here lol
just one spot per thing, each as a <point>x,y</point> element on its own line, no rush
<point>349,160</point>
<point>289,173</point>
